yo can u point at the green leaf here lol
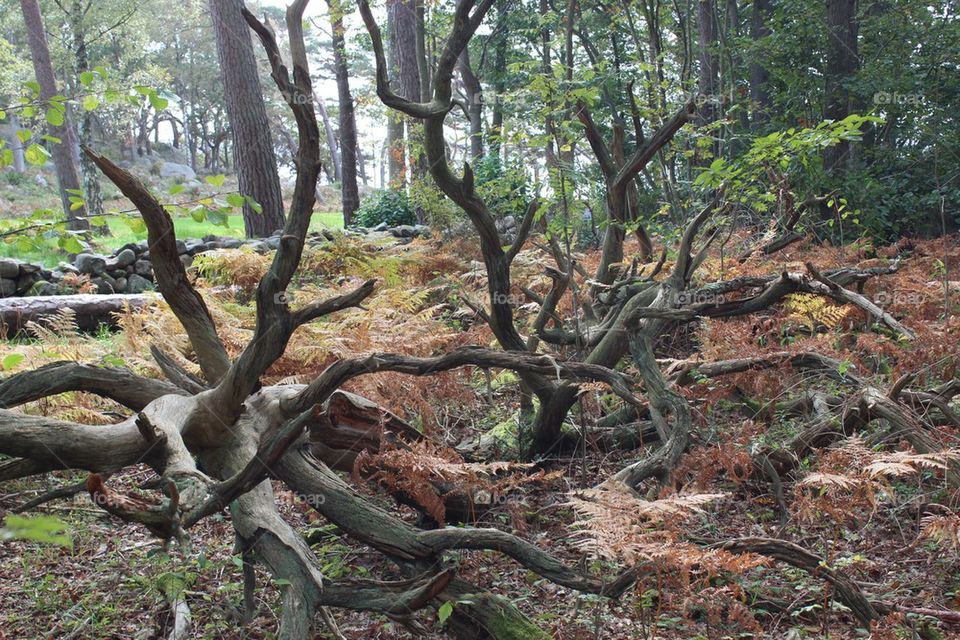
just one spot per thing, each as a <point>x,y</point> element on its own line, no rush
<point>175,189</point>
<point>256,206</point>
<point>158,103</point>
<point>445,611</point>
<point>86,78</point>
<point>136,225</point>
<point>24,134</point>
<point>236,200</point>
<point>55,116</point>
<point>216,181</point>
<point>199,214</point>
<point>38,528</point>
<point>70,244</point>
<point>90,102</point>
<point>12,360</point>
<point>217,217</point>
<point>36,155</point>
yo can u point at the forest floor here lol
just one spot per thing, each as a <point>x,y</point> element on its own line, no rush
<point>110,583</point>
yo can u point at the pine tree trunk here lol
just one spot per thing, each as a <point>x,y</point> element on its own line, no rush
<point>65,153</point>
<point>243,97</point>
<point>842,64</point>
<point>759,75</point>
<point>91,182</point>
<point>350,194</point>
<point>396,160</point>
<point>474,92</point>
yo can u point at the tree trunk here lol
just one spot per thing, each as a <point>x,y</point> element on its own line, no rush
<point>408,67</point>
<point>842,64</point>
<point>243,97</point>
<point>499,87</point>
<point>396,160</point>
<point>64,154</point>
<point>474,93</point>
<point>16,146</point>
<point>709,62</point>
<point>334,171</point>
<point>91,183</point>
<point>759,75</point>
<point>349,193</point>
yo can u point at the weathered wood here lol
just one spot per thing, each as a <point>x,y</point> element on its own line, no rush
<point>91,310</point>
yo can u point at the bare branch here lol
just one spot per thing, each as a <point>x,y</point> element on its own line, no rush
<point>117,383</point>
<point>169,272</point>
<point>339,372</point>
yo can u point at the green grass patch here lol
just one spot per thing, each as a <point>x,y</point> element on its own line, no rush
<point>186,227</point>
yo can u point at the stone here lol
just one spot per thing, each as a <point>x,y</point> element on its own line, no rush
<point>383,226</point>
<point>195,246</point>
<point>66,267</point>
<point>187,260</point>
<point>121,284</point>
<point>44,288</point>
<point>143,268</point>
<point>8,287</point>
<point>9,268</point>
<point>91,264</point>
<point>125,258</point>
<point>402,231</point>
<point>26,282</point>
<point>421,230</point>
<point>181,247</point>
<point>138,284</point>
<point>26,267</point>
<point>232,243</point>
<point>103,286</point>
<point>174,170</point>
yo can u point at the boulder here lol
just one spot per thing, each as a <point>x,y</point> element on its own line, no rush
<point>195,246</point>
<point>8,287</point>
<point>383,226</point>
<point>142,268</point>
<point>91,264</point>
<point>138,284</point>
<point>9,268</point>
<point>121,285</point>
<point>105,284</point>
<point>26,267</point>
<point>403,231</point>
<point>421,230</point>
<point>26,281</point>
<point>174,170</point>
<point>231,243</point>
<point>124,258</point>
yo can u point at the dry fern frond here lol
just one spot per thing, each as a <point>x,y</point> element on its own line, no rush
<point>945,530</point>
<point>813,311</point>
<point>829,481</point>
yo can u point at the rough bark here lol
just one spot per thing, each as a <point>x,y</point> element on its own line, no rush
<point>759,75</point>
<point>350,194</point>
<point>252,140</point>
<point>474,93</point>
<point>841,64</point>
<point>65,156</point>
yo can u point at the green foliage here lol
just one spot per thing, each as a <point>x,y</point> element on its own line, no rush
<point>505,188</point>
<point>45,529</point>
<point>390,206</point>
<point>439,211</point>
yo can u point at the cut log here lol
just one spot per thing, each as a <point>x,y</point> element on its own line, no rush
<point>91,310</point>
